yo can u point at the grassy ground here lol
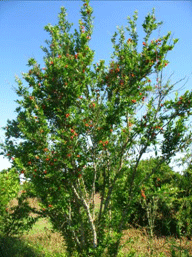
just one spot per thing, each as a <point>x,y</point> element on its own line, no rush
<point>41,241</point>
<point>48,241</point>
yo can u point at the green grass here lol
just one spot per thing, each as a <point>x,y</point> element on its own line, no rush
<point>40,226</point>
<point>40,241</point>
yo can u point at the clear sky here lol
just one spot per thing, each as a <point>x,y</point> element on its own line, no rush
<point>22,33</point>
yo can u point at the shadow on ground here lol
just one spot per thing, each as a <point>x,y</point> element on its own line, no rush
<point>14,247</point>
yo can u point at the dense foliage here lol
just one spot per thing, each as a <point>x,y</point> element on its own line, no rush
<point>14,218</point>
<point>164,200</point>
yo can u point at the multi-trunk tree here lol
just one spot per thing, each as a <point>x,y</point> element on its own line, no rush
<point>79,130</point>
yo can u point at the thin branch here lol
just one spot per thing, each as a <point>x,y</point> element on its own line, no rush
<point>82,199</point>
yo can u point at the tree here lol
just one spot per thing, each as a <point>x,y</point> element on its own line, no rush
<point>185,202</point>
<point>157,205</point>
<point>77,128</point>
<point>155,187</point>
<point>9,188</point>
<point>14,220</point>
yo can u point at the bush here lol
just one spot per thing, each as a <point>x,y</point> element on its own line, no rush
<point>9,189</point>
<point>13,219</point>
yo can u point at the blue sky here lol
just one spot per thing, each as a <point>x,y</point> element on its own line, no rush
<point>22,33</point>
